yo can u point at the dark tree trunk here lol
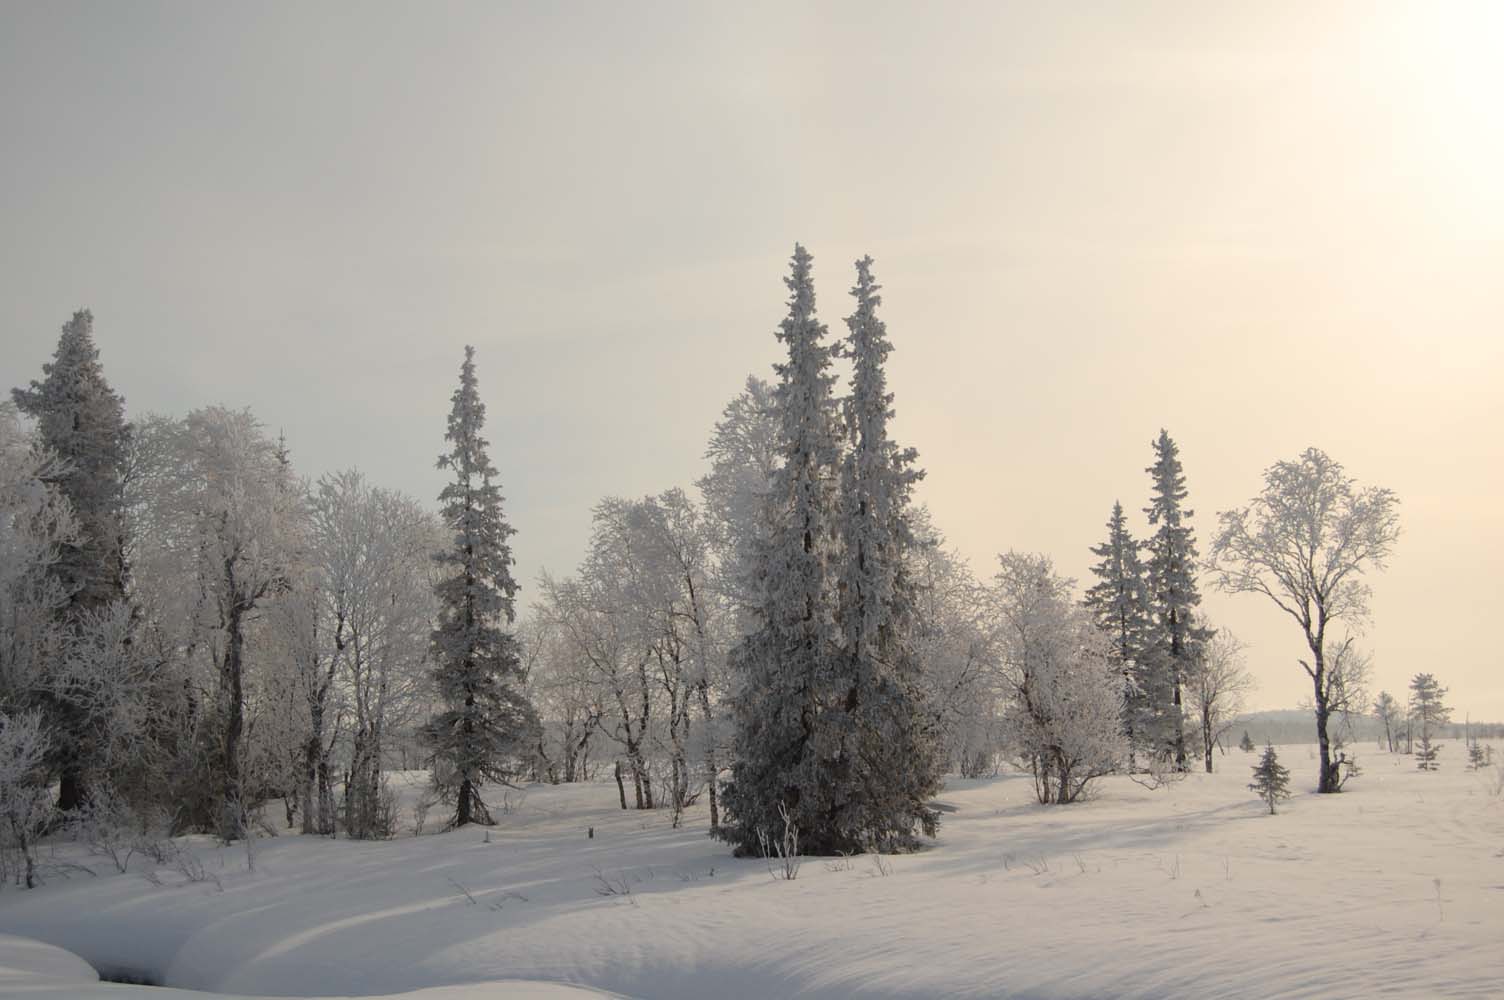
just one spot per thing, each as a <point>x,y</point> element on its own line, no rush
<point>621,788</point>
<point>1177,650</point>
<point>462,809</point>
<point>326,799</point>
<point>463,812</point>
<point>230,826</point>
<point>1206,737</point>
<point>711,771</point>
<point>313,797</point>
<point>70,788</point>
<point>1330,781</point>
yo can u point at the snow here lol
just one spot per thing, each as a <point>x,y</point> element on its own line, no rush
<point>1393,888</point>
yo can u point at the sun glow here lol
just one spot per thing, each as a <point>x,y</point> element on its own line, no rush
<point>1455,72</point>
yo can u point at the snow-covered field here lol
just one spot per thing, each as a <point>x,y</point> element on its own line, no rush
<point>1395,888</point>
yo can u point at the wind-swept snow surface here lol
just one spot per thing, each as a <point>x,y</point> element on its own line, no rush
<point>1395,887</point>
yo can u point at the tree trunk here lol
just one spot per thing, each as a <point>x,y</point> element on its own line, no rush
<point>326,797</point>
<point>463,813</point>
<point>621,789</point>
<point>70,788</point>
<point>1330,782</point>
<point>311,776</point>
<point>230,825</point>
<point>711,771</point>
<point>1177,650</point>
<point>647,783</point>
<point>462,810</point>
<point>1206,736</point>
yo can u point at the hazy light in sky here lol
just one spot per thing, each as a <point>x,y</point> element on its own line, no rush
<point>1262,227</point>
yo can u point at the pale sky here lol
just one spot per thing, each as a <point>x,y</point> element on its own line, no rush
<point>1260,226</point>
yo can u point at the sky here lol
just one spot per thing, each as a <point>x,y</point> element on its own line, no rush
<point>1262,227</point>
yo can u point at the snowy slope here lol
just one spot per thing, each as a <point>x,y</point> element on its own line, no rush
<point>1393,888</point>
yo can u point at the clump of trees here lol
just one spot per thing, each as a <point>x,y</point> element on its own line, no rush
<point>188,630</point>
<point>831,723</point>
<point>1146,599</point>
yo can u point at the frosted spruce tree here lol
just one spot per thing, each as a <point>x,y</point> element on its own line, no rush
<point>1119,603</point>
<point>487,721</point>
<point>1271,779</point>
<point>1173,594</point>
<point>883,733</point>
<point>81,421</point>
<point>791,667</point>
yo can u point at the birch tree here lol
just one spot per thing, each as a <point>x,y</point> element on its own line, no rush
<point>1306,543</point>
<point>1217,686</point>
<point>372,549</point>
<point>238,512</point>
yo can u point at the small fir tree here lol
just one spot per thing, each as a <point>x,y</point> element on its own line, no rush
<point>488,720</point>
<point>1246,743</point>
<point>1476,756</point>
<point>1428,712</point>
<point>1271,779</point>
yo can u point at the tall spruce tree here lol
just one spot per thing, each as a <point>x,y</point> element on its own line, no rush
<point>791,667</point>
<point>488,720</point>
<point>82,421</point>
<point>1173,593</point>
<point>1119,603</point>
<point>883,733</point>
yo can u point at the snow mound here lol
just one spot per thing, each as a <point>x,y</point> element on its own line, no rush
<point>31,968</point>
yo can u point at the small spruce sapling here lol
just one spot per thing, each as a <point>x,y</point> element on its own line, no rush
<point>1271,779</point>
<point>1425,753</point>
<point>1246,743</point>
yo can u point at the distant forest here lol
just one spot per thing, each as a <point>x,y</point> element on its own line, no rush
<point>1294,726</point>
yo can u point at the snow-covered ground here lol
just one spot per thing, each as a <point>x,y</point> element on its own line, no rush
<point>1395,887</point>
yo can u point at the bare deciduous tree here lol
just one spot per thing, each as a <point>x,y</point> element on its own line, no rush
<point>1305,543</point>
<point>1216,687</point>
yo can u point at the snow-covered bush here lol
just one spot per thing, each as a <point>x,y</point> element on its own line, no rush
<point>109,827</point>
<point>26,809</point>
<point>1064,718</point>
